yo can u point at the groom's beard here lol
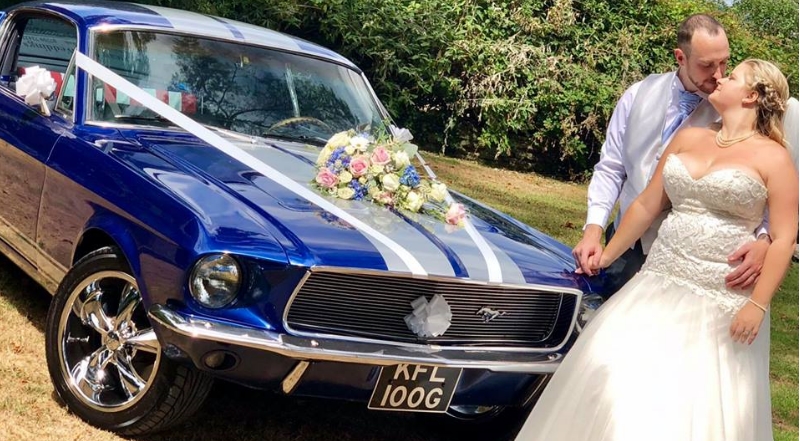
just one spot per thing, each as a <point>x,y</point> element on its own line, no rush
<point>706,85</point>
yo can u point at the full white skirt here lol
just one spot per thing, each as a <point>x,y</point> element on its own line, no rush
<point>657,363</point>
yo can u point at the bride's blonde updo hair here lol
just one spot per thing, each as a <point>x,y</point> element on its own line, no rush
<point>773,91</point>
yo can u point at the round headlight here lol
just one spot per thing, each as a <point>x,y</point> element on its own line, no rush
<point>215,280</point>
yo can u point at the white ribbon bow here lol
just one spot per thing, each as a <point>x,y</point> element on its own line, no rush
<point>429,319</point>
<point>36,86</point>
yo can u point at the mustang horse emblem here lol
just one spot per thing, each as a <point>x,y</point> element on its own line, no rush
<point>488,314</point>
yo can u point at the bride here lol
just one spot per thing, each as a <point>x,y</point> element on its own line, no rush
<point>675,355</point>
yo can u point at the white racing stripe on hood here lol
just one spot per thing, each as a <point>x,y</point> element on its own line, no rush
<point>511,271</point>
<point>258,35</point>
<point>104,74</point>
<point>393,226</point>
<point>459,241</point>
<point>192,22</point>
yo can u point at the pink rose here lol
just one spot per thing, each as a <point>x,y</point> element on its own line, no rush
<point>326,178</point>
<point>359,165</point>
<point>380,156</point>
<point>455,214</point>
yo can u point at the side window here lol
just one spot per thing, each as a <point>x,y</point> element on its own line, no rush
<point>47,43</point>
<point>41,41</point>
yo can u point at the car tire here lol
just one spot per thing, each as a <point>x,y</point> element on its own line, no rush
<point>104,359</point>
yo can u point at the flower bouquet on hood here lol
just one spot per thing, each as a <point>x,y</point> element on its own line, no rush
<point>359,166</point>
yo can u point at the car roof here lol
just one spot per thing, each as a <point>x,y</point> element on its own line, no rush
<point>92,14</point>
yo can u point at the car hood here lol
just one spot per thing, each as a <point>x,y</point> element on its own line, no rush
<point>312,236</point>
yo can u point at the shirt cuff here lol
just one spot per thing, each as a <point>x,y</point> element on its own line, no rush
<point>597,216</point>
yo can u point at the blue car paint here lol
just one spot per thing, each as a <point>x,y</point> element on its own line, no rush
<point>93,178</point>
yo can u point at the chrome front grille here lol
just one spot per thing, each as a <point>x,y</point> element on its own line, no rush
<point>373,305</point>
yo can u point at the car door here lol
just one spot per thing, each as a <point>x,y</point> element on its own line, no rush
<point>27,135</point>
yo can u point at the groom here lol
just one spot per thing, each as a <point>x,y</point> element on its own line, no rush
<point>643,123</point>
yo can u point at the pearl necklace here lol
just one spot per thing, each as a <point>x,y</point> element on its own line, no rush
<point>722,142</point>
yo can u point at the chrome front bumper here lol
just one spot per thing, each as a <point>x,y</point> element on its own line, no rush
<point>312,349</point>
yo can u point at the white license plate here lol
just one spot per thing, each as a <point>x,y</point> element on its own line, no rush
<point>415,388</point>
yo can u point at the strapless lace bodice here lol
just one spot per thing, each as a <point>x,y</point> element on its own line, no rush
<point>711,217</point>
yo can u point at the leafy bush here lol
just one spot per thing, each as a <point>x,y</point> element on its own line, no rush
<point>526,83</point>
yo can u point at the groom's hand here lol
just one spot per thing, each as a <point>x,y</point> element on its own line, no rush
<point>588,251</point>
<point>752,257</point>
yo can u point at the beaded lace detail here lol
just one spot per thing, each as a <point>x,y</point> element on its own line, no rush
<point>711,217</point>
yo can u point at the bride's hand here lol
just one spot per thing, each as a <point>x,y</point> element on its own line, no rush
<point>596,264</point>
<point>746,323</point>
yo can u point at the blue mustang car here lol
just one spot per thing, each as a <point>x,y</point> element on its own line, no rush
<point>163,194</point>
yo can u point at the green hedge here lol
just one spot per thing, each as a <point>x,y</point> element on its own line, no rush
<point>528,84</point>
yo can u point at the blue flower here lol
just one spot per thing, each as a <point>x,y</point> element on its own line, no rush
<point>410,177</point>
<point>361,190</point>
<point>338,160</point>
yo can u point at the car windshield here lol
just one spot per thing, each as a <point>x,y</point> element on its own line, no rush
<point>247,89</point>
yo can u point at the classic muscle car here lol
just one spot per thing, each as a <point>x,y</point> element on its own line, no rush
<point>163,194</point>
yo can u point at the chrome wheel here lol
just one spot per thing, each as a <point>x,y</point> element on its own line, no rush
<point>103,356</point>
<point>108,351</point>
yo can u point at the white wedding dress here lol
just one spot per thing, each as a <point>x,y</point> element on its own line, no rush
<point>657,362</point>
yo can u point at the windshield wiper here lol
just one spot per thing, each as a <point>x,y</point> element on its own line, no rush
<point>151,118</point>
<point>315,140</point>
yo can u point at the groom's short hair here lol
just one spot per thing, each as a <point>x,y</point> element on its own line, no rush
<point>693,23</point>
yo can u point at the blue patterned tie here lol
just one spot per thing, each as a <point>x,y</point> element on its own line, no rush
<point>688,102</point>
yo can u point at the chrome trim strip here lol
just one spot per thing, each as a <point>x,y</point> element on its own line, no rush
<point>51,269</point>
<point>533,287</point>
<point>104,28</point>
<point>70,115</point>
<point>17,259</point>
<point>20,242</point>
<point>300,348</point>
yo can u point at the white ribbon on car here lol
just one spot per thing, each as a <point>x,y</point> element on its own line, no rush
<point>36,85</point>
<point>101,72</point>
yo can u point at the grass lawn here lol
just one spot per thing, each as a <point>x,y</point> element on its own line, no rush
<point>29,411</point>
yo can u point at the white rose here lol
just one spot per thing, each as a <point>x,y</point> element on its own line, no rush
<point>359,143</point>
<point>438,191</point>
<point>373,191</point>
<point>401,160</point>
<point>324,155</point>
<point>376,169</point>
<point>345,177</point>
<point>345,193</point>
<point>349,149</point>
<point>340,139</point>
<point>391,182</point>
<point>413,201</point>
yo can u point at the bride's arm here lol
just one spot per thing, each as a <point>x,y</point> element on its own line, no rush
<point>781,181</point>
<point>644,209</point>
<point>780,177</point>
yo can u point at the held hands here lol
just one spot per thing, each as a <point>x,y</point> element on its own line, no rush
<point>746,323</point>
<point>588,251</point>
<point>752,257</point>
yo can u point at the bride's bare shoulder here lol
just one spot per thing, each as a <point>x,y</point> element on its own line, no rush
<point>773,157</point>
